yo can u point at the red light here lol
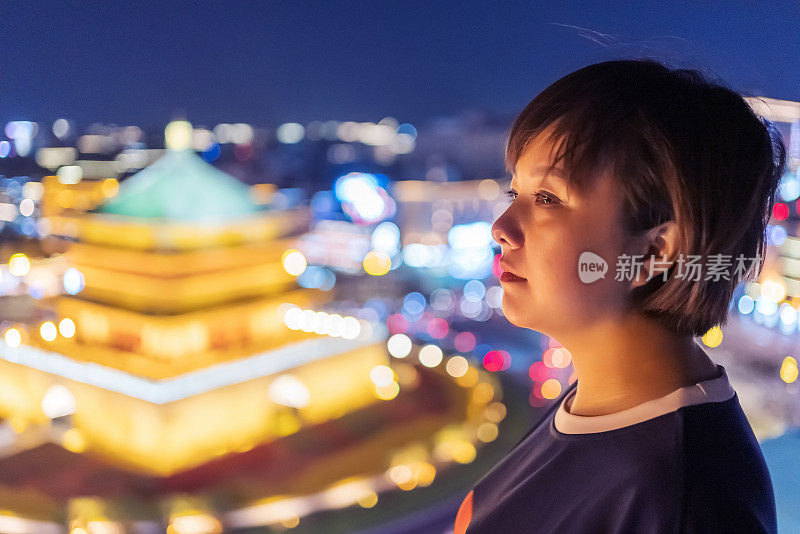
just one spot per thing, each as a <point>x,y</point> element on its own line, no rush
<point>397,324</point>
<point>438,328</point>
<point>464,341</point>
<point>539,372</point>
<point>547,357</point>
<point>780,211</point>
<point>243,152</point>
<point>496,270</point>
<point>496,360</point>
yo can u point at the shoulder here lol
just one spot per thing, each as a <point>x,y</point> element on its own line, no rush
<point>727,484</point>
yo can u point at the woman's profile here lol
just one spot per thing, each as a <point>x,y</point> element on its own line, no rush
<point>640,197</point>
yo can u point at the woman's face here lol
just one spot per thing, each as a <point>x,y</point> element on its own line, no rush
<point>544,232</point>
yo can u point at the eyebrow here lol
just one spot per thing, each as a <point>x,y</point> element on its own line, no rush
<point>556,172</point>
<point>546,171</point>
<point>560,180</point>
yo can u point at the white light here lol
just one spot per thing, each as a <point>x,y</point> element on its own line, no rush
<point>33,190</point>
<point>58,402</point>
<point>287,390</point>
<point>351,328</point>
<point>472,235</point>
<point>13,338</point>
<point>73,281</point>
<point>415,255</point>
<point>178,135</point>
<point>386,237</point>
<point>399,345</point>
<point>294,262</point>
<point>381,375</point>
<point>54,157</point>
<point>26,207</point>
<point>19,264</point>
<point>788,314</point>
<point>319,322</point>
<point>61,128</point>
<point>67,327</point>
<point>474,290</point>
<point>494,296</point>
<point>457,366</point>
<point>334,325</point>
<point>267,363</point>
<point>308,321</point>
<point>241,133</point>
<point>430,355</point>
<point>773,290</point>
<point>290,133</point>
<point>48,331</point>
<point>69,174</point>
<point>766,306</point>
<point>222,133</point>
<point>293,318</point>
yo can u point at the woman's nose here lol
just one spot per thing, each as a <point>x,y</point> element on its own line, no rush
<point>505,233</point>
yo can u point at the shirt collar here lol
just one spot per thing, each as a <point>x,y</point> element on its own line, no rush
<point>713,390</point>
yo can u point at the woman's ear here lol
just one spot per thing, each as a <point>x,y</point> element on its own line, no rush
<point>660,247</point>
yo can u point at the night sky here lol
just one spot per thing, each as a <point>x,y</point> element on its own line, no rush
<point>145,62</point>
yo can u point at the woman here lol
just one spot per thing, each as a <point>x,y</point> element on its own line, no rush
<point>624,171</point>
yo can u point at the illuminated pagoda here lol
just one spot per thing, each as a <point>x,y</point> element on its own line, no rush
<point>185,376</point>
<point>173,347</point>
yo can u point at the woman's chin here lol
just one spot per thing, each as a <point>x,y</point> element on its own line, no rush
<point>514,317</point>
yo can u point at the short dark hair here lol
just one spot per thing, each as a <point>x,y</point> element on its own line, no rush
<point>681,148</point>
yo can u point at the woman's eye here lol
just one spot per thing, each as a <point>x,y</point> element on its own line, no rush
<point>544,200</point>
<point>540,199</point>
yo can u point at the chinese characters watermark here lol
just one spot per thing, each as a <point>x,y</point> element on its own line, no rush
<point>691,267</point>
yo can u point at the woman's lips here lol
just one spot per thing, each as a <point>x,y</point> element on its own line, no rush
<point>510,277</point>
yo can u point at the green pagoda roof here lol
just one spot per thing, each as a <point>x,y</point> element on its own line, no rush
<point>180,186</point>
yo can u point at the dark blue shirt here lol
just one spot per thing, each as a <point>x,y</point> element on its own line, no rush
<point>697,469</point>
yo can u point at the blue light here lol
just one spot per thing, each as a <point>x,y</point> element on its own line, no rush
<point>316,277</point>
<point>73,281</point>
<point>380,307</point>
<point>5,149</point>
<point>354,185</point>
<point>211,153</point>
<point>472,235</point>
<point>28,226</point>
<point>418,255</point>
<point>766,307</point>
<point>789,187</point>
<point>414,303</point>
<point>746,304</point>
<point>474,290</point>
<point>468,263</point>
<point>407,128</point>
<point>362,197</point>
<point>776,235</point>
<point>323,203</point>
<point>36,291</point>
<point>386,237</point>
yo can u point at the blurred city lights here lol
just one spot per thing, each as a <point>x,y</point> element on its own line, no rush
<point>430,355</point>
<point>294,262</point>
<point>48,331</point>
<point>66,327</point>
<point>399,345</point>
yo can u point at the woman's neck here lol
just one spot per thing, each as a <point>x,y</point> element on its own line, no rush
<point>622,363</point>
